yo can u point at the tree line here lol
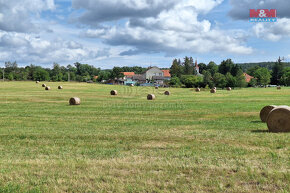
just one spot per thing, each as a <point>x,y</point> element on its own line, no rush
<point>227,74</point>
<point>268,65</point>
<point>77,72</point>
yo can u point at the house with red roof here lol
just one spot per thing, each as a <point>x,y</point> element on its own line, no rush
<point>166,73</point>
<point>152,75</point>
<point>128,74</point>
<point>248,77</point>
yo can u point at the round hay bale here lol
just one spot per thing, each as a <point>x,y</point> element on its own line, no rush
<point>279,119</point>
<point>131,85</point>
<point>229,88</point>
<point>167,92</point>
<point>278,87</point>
<point>156,87</point>
<point>150,97</point>
<point>43,85</point>
<point>47,88</point>
<point>75,101</point>
<point>265,112</point>
<point>114,92</point>
<point>213,91</point>
<point>37,82</point>
<point>197,89</point>
<point>59,87</point>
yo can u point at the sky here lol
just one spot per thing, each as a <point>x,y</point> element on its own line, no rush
<point>108,33</point>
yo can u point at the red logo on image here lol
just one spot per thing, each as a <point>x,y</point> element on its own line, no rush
<point>263,13</point>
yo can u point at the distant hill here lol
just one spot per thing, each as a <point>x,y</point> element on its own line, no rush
<point>269,65</point>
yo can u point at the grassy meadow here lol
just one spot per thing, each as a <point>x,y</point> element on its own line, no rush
<point>185,142</point>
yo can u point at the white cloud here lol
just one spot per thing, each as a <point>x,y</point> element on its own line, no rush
<point>173,31</point>
<point>29,49</point>
<point>15,15</point>
<point>273,31</point>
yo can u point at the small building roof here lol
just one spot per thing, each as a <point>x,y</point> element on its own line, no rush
<point>166,73</point>
<point>128,73</point>
<point>248,77</point>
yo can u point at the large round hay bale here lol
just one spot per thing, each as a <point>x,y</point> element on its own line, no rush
<point>114,92</point>
<point>197,89</point>
<point>167,92</point>
<point>279,119</point>
<point>75,101</point>
<point>47,88</point>
<point>43,85</point>
<point>132,85</point>
<point>60,87</point>
<point>265,112</point>
<point>150,97</point>
<point>37,82</point>
<point>212,90</point>
<point>229,88</point>
<point>278,87</point>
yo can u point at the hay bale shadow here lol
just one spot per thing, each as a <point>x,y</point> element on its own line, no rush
<point>256,122</point>
<point>260,131</point>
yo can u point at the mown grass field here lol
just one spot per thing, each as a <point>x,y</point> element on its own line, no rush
<point>185,142</point>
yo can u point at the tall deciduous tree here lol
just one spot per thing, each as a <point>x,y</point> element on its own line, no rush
<point>207,78</point>
<point>202,67</point>
<point>219,80</point>
<point>188,65</point>
<point>226,66</point>
<point>286,76</point>
<point>212,68</point>
<point>263,76</point>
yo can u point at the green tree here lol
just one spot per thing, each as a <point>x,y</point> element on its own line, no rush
<point>10,76</point>
<point>207,79</point>
<point>285,79</point>
<point>277,72</point>
<point>251,71</point>
<point>253,82</point>
<point>231,80</point>
<point>240,77</point>
<point>226,66</point>
<point>236,69</point>
<point>175,82</point>
<point>188,66</point>
<point>263,76</point>
<point>202,67</point>
<point>191,81</point>
<point>212,68</point>
<point>116,73</point>
<point>176,68</point>
<point>219,80</point>
<point>40,74</point>
<point>104,75</point>
<point>1,74</point>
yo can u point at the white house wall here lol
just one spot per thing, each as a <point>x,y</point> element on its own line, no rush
<point>153,72</point>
